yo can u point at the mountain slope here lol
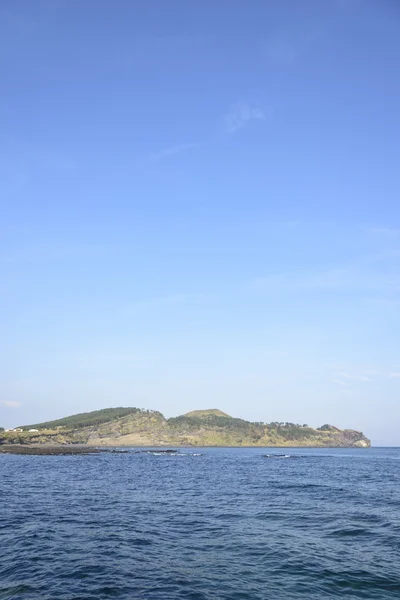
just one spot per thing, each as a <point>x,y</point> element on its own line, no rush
<point>133,426</point>
<point>96,417</point>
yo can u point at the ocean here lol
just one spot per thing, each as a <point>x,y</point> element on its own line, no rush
<point>229,524</point>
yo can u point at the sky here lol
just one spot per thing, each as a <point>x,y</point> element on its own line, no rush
<point>200,208</point>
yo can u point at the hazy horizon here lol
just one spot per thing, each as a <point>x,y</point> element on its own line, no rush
<point>200,208</point>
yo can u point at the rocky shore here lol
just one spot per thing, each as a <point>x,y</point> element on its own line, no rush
<point>54,450</point>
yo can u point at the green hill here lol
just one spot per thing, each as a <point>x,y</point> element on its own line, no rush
<point>138,427</point>
<point>215,412</point>
<point>87,419</point>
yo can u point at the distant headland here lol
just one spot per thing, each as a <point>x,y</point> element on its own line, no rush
<point>140,427</point>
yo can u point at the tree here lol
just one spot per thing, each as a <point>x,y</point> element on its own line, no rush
<point>325,428</point>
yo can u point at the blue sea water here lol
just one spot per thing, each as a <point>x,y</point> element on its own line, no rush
<point>230,524</point>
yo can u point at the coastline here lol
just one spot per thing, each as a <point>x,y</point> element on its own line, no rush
<point>80,449</point>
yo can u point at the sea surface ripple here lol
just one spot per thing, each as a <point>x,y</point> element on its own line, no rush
<point>227,524</point>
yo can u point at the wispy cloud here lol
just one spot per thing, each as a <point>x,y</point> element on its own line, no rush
<point>332,278</point>
<point>349,4</point>
<point>172,151</point>
<point>280,50</point>
<point>340,278</point>
<point>239,116</point>
<point>10,403</point>
<point>363,376</point>
<point>387,232</point>
<point>340,382</point>
<point>167,301</point>
<point>355,377</point>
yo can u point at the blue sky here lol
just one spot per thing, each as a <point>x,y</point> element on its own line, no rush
<point>200,208</point>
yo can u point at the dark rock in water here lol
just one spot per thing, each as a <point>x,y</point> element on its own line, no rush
<point>113,451</point>
<point>48,450</point>
<point>67,450</point>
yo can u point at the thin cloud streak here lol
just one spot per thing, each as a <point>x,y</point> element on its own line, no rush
<point>387,232</point>
<point>347,378</point>
<point>10,403</point>
<point>340,382</point>
<point>354,377</point>
<point>167,301</point>
<point>172,151</point>
<point>345,278</point>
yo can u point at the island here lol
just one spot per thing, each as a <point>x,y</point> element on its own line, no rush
<point>131,426</point>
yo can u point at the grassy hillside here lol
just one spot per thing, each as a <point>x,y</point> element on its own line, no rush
<point>96,417</point>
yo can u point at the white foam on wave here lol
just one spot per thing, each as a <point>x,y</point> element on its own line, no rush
<point>278,456</point>
<point>176,454</point>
